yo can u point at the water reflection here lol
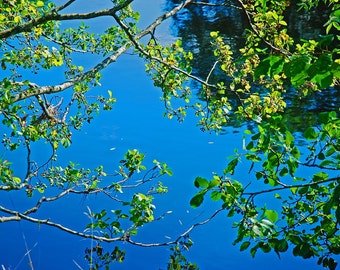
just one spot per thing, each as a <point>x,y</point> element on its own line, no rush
<point>194,25</point>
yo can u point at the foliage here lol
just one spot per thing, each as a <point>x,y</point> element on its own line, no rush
<point>177,259</point>
<point>36,38</point>
<point>270,62</point>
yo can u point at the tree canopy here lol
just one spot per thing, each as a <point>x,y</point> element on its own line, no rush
<point>249,86</point>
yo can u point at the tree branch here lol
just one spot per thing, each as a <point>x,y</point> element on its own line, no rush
<point>38,90</point>
<point>54,16</point>
<point>17,216</point>
<point>190,229</point>
<point>255,193</point>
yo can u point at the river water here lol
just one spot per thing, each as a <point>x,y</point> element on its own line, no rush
<point>137,122</point>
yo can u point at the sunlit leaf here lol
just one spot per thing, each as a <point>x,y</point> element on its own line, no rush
<point>272,215</point>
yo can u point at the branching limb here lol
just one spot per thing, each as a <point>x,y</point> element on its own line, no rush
<point>54,16</point>
<point>39,90</point>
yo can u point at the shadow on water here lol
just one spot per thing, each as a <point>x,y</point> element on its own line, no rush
<point>194,24</point>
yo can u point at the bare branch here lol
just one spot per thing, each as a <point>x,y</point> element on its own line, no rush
<point>11,218</point>
<point>191,228</point>
<point>64,5</point>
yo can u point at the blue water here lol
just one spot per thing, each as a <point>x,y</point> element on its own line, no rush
<point>137,122</point>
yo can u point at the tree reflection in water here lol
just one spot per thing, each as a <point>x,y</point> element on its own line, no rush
<point>194,24</point>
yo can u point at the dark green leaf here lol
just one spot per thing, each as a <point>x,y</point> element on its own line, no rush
<point>244,245</point>
<point>320,176</point>
<point>303,190</point>
<point>197,200</point>
<point>337,214</point>
<point>282,245</point>
<point>262,68</point>
<point>284,171</point>
<point>296,152</point>
<point>201,182</point>
<point>310,133</point>
<point>253,157</point>
<point>326,40</point>
<point>231,166</point>
<point>265,247</point>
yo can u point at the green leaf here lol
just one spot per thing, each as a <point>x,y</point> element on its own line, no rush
<point>265,247</point>
<point>231,166</point>
<point>262,69</point>
<point>244,245</point>
<point>17,180</point>
<point>283,171</point>
<point>201,182</point>
<point>296,152</point>
<point>253,251</point>
<point>323,80</point>
<point>253,157</point>
<point>320,176</point>
<point>197,200</point>
<point>310,133</point>
<point>303,190</point>
<point>337,214</point>
<point>215,195</point>
<point>296,70</point>
<point>40,4</point>
<point>277,196</point>
<point>215,182</point>
<point>330,151</point>
<point>282,245</point>
<point>326,40</point>
<point>272,215</point>
<point>289,138</point>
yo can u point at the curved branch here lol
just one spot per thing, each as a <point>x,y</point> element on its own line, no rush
<point>21,216</point>
<point>17,216</point>
<point>253,194</point>
<point>191,228</point>
<point>54,16</point>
